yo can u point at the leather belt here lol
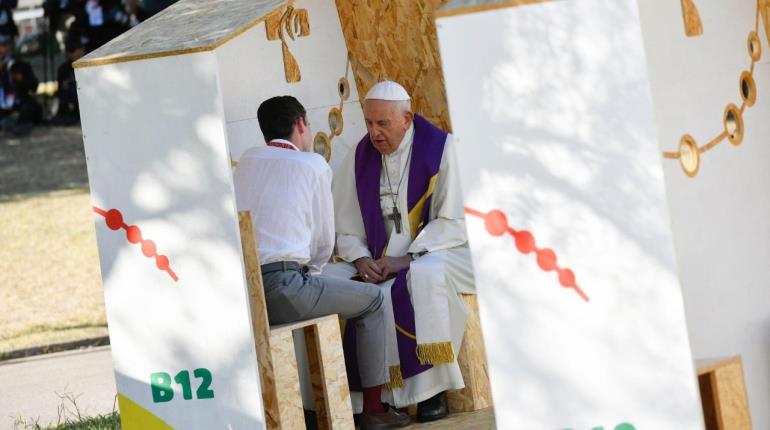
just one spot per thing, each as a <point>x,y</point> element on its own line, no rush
<point>282,266</point>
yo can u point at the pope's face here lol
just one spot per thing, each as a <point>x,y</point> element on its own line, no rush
<point>386,123</point>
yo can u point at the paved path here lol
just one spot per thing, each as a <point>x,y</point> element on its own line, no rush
<point>29,387</point>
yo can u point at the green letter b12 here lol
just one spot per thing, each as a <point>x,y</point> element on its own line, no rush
<point>161,387</point>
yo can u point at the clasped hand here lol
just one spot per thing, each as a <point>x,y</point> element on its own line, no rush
<point>376,271</point>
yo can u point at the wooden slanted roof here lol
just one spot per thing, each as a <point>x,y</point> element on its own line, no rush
<point>460,7</point>
<point>184,27</point>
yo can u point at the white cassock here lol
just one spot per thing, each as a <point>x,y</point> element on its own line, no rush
<point>446,261</point>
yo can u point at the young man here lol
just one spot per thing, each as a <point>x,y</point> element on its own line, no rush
<point>287,188</point>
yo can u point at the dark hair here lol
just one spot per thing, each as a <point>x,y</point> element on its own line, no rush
<point>277,116</point>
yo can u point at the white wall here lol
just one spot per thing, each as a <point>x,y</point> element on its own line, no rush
<point>551,107</point>
<point>156,150</point>
<point>721,217</point>
<point>251,70</point>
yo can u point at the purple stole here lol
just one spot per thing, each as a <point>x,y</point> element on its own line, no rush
<point>427,151</point>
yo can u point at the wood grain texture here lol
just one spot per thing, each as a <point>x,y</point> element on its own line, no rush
<point>692,22</point>
<point>764,9</point>
<point>472,360</point>
<point>483,419</point>
<point>462,7</point>
<point>259,319</point>
<point>286,381</point>
<point>316,377</point>
<point>288,23</point>
<point>328,375</point>
<point>396,40</point>
<point>185,27</point>
<point>723,394</point>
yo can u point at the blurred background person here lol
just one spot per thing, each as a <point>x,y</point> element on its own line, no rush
<point>19,109</point>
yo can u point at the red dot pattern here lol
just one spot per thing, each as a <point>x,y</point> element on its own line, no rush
<point>114,220</point>
<point>496,224</point>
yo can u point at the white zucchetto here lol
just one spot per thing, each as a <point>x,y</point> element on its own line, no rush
<point>387,90</point>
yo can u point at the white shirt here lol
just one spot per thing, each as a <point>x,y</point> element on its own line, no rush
<point>289,195</point>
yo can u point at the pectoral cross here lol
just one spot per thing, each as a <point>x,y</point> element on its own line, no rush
<point>396,218</point>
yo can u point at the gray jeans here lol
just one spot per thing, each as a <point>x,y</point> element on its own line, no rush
<point>294,295</point>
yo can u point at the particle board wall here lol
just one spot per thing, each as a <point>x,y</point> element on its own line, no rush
<point>397,40</point>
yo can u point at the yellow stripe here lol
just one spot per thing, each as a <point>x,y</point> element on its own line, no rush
<point>135,417</point>
<point>415,215</point>
<point>405,333</point>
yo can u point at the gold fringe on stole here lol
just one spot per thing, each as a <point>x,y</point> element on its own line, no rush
<point>435,353</point>
<point>396,379</point>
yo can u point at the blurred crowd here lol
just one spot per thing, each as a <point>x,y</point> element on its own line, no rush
<point>81,26</point>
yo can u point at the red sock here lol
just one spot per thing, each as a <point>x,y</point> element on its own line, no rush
<point>372,400</point>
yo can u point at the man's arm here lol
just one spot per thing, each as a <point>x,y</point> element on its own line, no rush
<point>322,222</point>
<point>351,237</point>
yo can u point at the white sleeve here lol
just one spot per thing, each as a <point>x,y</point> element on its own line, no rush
<point>351,236</point>
<point>446,228</point>
<point>322,222</point>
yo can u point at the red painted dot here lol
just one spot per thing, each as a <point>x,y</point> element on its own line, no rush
<point>566,278</point>
<point>148,248</point>
<point>133,234</point>
<point>546,259</point>
<point>496,223</point>
<point>114,219</point>
<point>161,262</point>
<point>525,243</point>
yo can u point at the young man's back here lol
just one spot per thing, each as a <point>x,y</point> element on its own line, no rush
<point>289,195</point>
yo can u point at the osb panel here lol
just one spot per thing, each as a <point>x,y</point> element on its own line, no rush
<point>287,381</point>
<point>187,26</point>
<point>396,40</point>
<point>731,397</point>
<point>692,22</point>
<point>472,359</point>
<point>462,7</point>
<point>316,377</point>
<point>708,401</point>
<point>259,320</point>
<point>723,394</point>
<point>330,381</point>
<point>483,419</point>
<point>764,6</point>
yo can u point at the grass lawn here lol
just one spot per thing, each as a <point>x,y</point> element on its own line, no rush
<point>70,418</point>
<point>50,285</point>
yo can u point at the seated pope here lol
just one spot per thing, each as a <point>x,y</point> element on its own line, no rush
<point>400,225</point>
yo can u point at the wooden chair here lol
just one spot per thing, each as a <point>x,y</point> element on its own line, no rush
<point>723,394</point>
<point>277,359</point>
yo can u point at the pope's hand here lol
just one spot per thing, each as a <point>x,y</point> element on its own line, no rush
<point>369,270</point>
<point>392,265</point>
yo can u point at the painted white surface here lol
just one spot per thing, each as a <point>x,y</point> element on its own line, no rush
<point>155,142</point>
<point>555,128</point>
<point>720,218</point>
<point>251,71</point>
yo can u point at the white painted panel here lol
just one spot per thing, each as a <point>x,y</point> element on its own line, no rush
<point>154,135</point>
<point>721,217</point>
<point>251,70</point>
<point>555,129</point>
